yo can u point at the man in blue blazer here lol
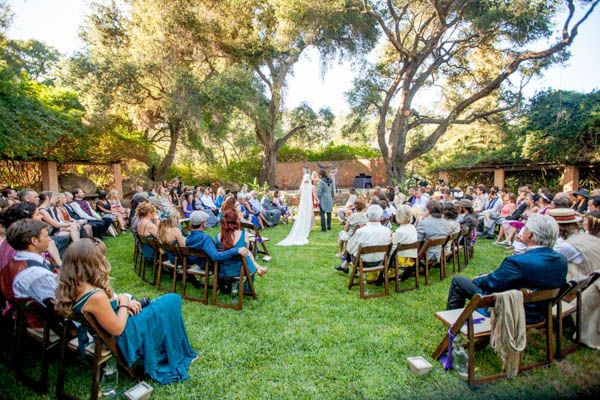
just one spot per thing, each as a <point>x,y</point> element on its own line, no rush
<point>539,267</point>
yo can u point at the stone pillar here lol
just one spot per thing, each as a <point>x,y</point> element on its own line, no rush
<point>499,178</point>
<point>50,176</point>
<point>570,178</point>
<point>444,175</point>
<point>117,179</point>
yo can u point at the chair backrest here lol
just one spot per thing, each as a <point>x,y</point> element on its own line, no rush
<point>432,243</point>
<point>408,246</point>
<point>168,247</point>
<point>186,252</point>
<point>581,285</point>
<point>180,211</point>
<point>246,225</point>
<point>374,249</point>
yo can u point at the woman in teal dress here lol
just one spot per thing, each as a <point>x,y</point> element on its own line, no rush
<point>154,335</point>
<point>232,236</point>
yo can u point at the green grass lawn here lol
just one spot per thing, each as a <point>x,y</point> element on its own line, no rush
<point>308,336</point>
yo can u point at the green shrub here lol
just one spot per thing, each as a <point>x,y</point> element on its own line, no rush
<point>330,152</point>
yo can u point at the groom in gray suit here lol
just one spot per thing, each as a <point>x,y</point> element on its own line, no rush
<point>325,195</point>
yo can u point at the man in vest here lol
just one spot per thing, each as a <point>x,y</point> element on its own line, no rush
<point>75,203</point>
<point>28,275</point>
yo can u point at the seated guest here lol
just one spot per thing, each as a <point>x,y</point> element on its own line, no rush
<point>273,213</point>
<point>207,201</point>
<point>17,212</point>
<point>200,240</point>
<point>174,197</point>
<point>344,212</point>
<point>421,198</point>
<point>545,201</point>
<point>249,213</point>
<point>582,252</point>
<point>372,234</point>
<point>592,223</point>
<point>197,200</point>
<point>154,335</point>
<point>133,218</point>
<point>229,203</point>
<point>10,196</point>
<point>355,221</point>
<point>285,211</point>
<point>490,214</point>
<point>258,208</point>
<point>81,208</point>
<point>232,237</point>
<point>515,215</point>
<point>399,197</point>
<point>451,215</point>
<point>29,195</point>
<point>405,234</point>
<point>163,196</point>
<point>387,214</point>
<point>115,205</point>
<point>538,268</point>
<point>594,204</point>
<point>433,227</point>
<point>104,208</point>
<point>466,215</point>
<point>169,231</point>
<point>187,204</point>
<point>220,197</point>
<point>517,225</point>
<point>581,205</point>
<point>28,275</point>
<point>480,199</point>
<point>57,228</point>
<point>85,230</point>
<point>146,227</point>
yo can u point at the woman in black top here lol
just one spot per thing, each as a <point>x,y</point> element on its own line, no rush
<point>104,208</point>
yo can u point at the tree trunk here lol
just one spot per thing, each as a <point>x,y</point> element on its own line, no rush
<point>267,172</point>
<point>161,171</point>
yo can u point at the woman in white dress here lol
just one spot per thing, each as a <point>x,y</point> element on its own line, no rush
<point>304,222</point>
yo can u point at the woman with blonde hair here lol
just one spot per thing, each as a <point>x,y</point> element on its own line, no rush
<point>146,228</point>
<point>154,334</point>
<point>57,226</point>
<point>169,232</point>
<point>220,196</point>
<point>115,204</point>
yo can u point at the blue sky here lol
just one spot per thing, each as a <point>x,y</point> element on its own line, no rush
<point>57,22</point>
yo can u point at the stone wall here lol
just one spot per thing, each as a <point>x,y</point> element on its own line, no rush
<point>289,175</point>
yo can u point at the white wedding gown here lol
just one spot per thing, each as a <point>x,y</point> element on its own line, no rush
<point>298,236</point>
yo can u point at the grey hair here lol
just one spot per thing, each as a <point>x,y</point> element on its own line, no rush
<point>404,214</point>
<point>68,194</point>
<point>374,213</point>
<point>254,192</point>
<point>543,228</point>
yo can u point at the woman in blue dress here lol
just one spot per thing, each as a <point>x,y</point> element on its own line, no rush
<point>232,236</point>
<point>146,227</point>
<point>154,335</point>
<point>186,204</point>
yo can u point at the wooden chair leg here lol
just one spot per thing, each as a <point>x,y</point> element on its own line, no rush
<point>175,277</point>
<point>397,277</point>
<point>352,275</point>
<point>361,279</point>
<point>471,356</point>
<point>426,271</point>
<point>417,272</point>
<point>96,371</point>
<point>559,333</point>
<point>206,279</point>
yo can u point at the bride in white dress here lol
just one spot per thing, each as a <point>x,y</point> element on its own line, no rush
<point>298,236</point>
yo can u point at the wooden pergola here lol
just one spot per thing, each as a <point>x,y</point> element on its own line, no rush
<point>570,179</point>
<point>50,173</point>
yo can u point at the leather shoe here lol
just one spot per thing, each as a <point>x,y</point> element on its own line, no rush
<point>343,269</point>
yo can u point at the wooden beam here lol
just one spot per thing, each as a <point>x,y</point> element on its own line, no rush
<point>117,179</point>
<point>50,176</point>
<point>570,179</point>
<point>499,178</point>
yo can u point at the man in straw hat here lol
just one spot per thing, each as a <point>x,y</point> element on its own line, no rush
<point>582,252</point>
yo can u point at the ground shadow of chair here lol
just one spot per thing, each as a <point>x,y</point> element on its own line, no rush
<point>565,307</point>
<point>194,270</point>
<point>462,320</point>
<point>358,266</point>
<point>245,276</point>
<point>104,347</point>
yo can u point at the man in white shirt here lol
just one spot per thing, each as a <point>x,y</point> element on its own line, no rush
<point>28,275</point>
<point>342,212</point>
<point>372,234</point>
<point>422,198</point>
<point>208,201</point>
<point>480,199</point>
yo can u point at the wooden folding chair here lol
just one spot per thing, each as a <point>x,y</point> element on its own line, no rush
<point>565,307</point>
<point>163,262</point>
<point>469,244</point>
<point>245,276</point>
<point>194,270</point>
<point>461,247</point>
<point>183,221</point>
<point>137,253</point>
<point>394,264</point>
<point>46,336</point>
<point>105,347</point>
<point>255,240</point>
<point>154,244</point>
<point>425,259</point>
<point>452,250</point>
<point>382,268</point>
<point>457,319</point>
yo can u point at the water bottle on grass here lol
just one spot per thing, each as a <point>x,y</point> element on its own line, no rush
<point>110,379</point>
<point>459,357</point>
